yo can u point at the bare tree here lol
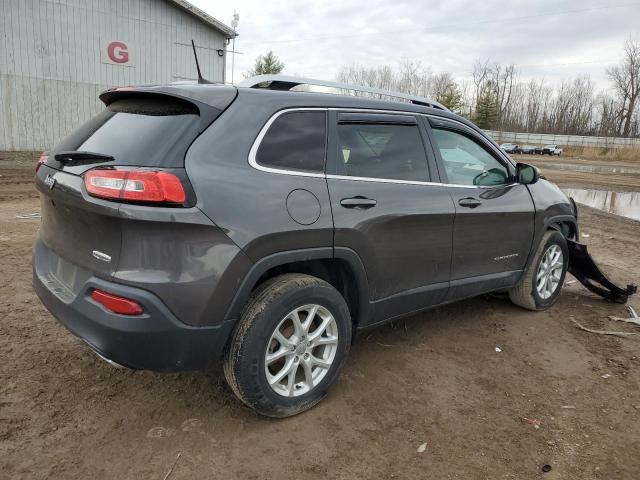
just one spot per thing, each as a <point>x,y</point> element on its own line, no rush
<point>536,103</point>
<point>504,80</point>
<point>607,124</point>
<point>626,82</point>
<point>501,80</point>
<point>495,98</point>
<point>466,91</point>
<point>410,77</point>
<point>441,83</point>
<point>479,75</point>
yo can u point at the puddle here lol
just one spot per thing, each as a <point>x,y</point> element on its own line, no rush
<point>573,167</point>
<point>625,204</point>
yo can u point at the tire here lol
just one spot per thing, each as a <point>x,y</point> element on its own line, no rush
<point>526,293</point>
<point>270,307</point>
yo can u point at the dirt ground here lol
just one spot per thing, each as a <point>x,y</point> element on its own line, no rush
<point>553,395</point>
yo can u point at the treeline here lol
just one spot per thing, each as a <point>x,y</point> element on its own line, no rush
<point>494,98</point>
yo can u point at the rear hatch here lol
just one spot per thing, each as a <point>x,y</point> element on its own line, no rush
<point>145,130</point>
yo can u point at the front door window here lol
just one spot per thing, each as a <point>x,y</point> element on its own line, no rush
<point>466,162</point>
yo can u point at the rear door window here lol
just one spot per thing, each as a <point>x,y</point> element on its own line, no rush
<point>295,141</point>
<point>381,149</point>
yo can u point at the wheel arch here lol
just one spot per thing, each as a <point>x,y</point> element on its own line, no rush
<point>341,267</point>
<point>562,223</point>
<point>565,224</point>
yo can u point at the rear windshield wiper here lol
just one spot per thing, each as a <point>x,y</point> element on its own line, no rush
<point>82,158</point>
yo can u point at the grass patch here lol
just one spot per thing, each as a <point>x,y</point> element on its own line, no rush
<point>627,154</point>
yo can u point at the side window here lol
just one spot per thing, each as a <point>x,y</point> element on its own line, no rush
<point>386,151</point>
<point>295,141</point>
<point>466,162</point>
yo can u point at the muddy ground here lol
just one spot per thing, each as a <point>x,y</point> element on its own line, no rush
<point>576,172</point>
<point>434,378</point>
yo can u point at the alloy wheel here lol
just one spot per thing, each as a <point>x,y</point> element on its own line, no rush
<point>301,350</point>
<point>549,272</point>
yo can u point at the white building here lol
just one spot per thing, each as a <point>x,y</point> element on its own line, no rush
<point>56,56</point>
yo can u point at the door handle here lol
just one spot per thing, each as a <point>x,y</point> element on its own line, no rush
<point>469,202</point>
<point>358,202</point>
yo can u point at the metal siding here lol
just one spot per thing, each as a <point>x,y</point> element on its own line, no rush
<point>51,69</point>
<point>563,140</point>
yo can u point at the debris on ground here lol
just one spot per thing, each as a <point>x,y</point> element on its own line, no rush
<point>546,468</point>
<point>28,215</point>
<point>422,448</point>
<point>160,432</point>
<point>172,466</point>
<point>602,332</point>
<point>633,319</point>
<point>606,375</point>
<point>498,350</point>
<point>586,235</point>
<point>568,407</point>
<point>583,267</point>
<point>532,421</point>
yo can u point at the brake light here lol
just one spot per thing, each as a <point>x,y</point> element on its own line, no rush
<point>117,304</point>
<point>44,156</point>
<point>135,186</point>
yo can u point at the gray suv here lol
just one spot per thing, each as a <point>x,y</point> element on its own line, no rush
<point>266,227</point>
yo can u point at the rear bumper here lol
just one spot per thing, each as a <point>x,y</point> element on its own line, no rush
<point>155,340</point>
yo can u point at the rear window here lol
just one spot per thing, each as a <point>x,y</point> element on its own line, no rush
<point>142,131</point>
<point>295,141</point>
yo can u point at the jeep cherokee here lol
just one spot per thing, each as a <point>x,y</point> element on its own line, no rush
<point>188,223</point>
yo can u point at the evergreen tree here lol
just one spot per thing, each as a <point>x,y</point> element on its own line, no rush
<point>451,98</point>
<point>486,109</point>
<point>267,64</point>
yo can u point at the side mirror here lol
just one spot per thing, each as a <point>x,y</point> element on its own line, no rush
<point>527,174</point>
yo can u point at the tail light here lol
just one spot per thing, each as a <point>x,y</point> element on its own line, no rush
<point>117,304</point>
<point>135,186</point>
<point>43,158</point>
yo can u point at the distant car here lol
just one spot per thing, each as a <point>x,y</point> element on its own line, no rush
<point>510,147</point>
<point>531,150</point>
<point>552,150</point>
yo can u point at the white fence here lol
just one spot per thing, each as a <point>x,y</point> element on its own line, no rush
<point>563,140</point>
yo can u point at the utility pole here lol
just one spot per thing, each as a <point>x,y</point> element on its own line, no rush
<point>234,24</point>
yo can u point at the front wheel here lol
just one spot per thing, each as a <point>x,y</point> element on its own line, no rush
<point>289,346</point>
<point>541,283</point>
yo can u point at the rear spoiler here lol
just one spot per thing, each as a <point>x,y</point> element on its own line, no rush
<point>213,95</point>
<point>211,100</point>
<point>582,266</point>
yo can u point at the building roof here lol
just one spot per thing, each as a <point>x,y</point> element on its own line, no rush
<point>205,17</point>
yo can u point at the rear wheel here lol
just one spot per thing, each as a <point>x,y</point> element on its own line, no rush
<point>289,345</point>
<point>540,285</point>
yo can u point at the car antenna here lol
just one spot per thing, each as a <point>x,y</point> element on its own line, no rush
<point>200,78</point>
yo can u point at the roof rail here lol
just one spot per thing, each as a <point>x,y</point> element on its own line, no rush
<point>285,82</point>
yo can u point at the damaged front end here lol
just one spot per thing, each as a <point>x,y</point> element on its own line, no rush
<point>582,266</point>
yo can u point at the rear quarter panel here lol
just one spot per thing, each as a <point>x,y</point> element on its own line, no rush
<point>248,204</point>
<point>181,257</point>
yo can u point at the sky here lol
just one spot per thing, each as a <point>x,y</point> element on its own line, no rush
<point>552,39</point>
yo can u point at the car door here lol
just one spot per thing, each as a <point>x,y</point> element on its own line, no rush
<point>494,221</point>
<point>388,211</point>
